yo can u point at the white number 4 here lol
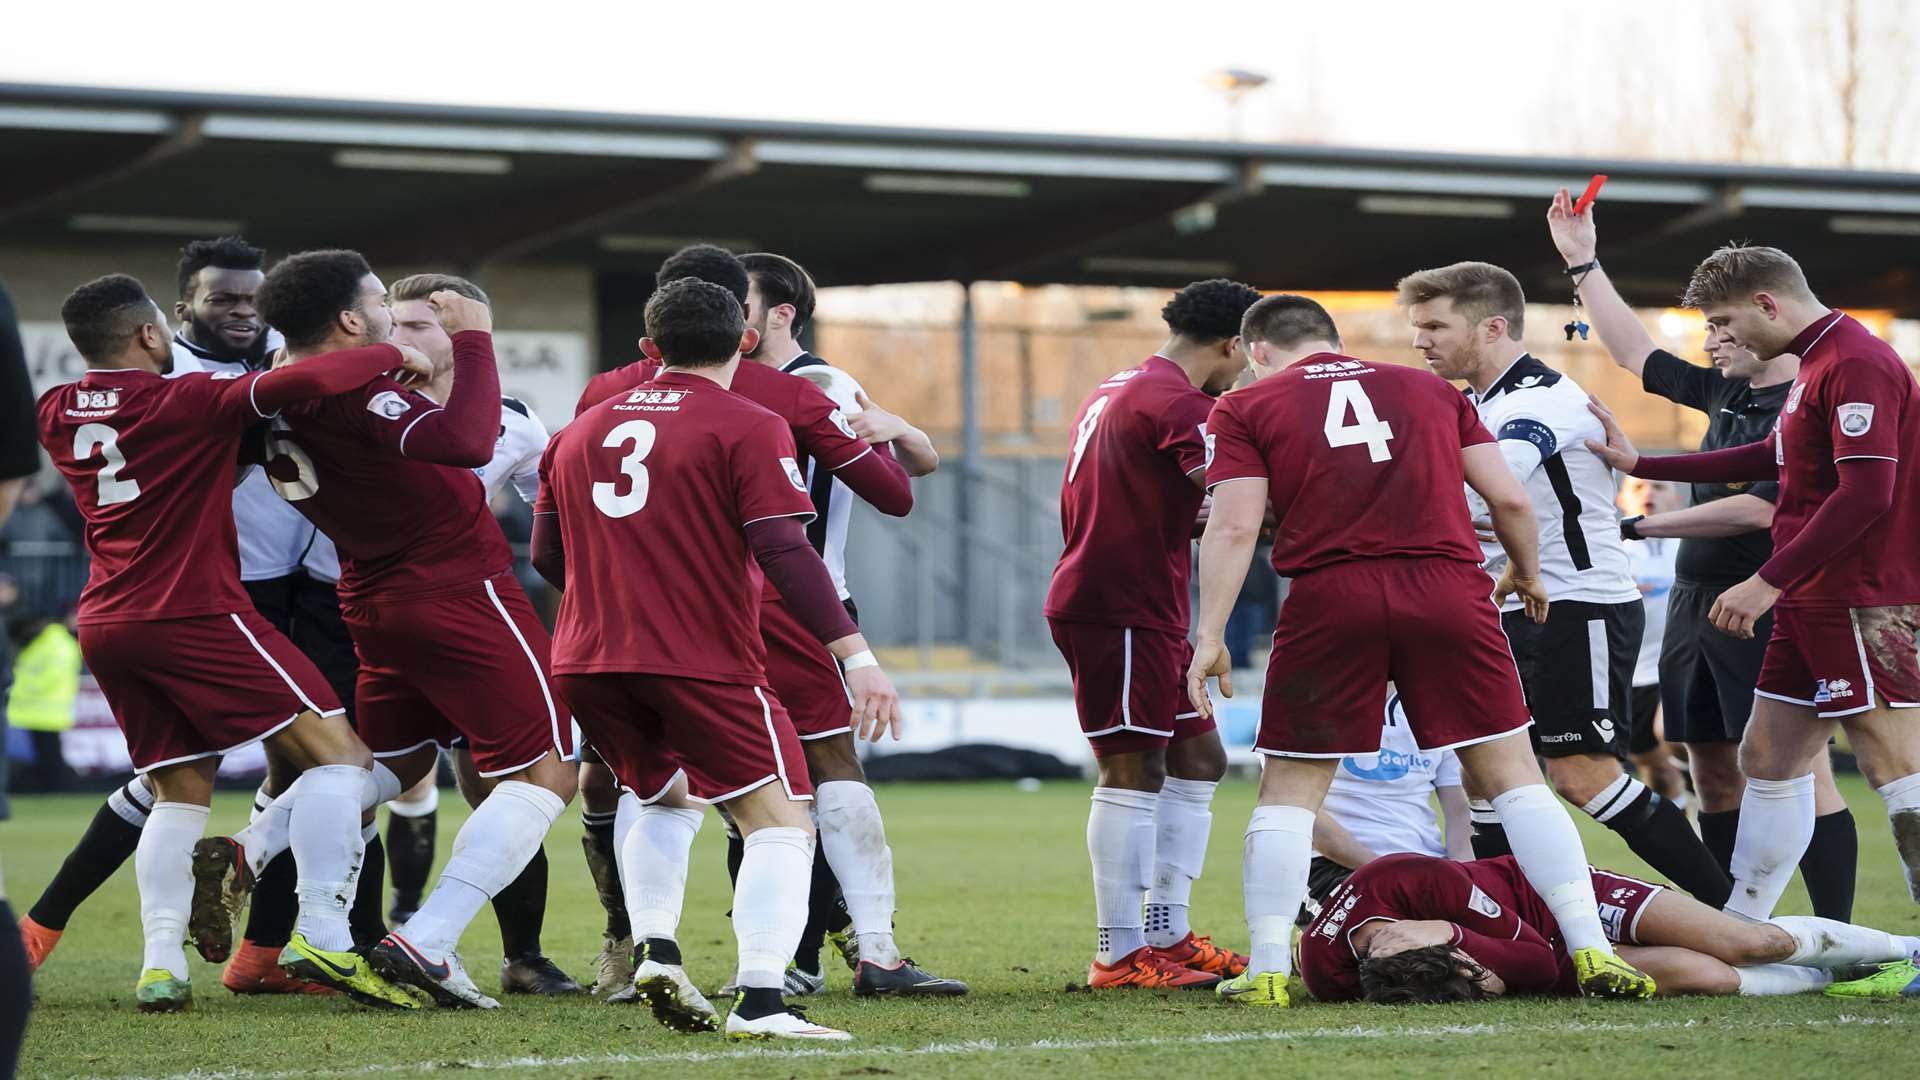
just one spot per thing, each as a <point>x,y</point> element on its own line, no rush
<point>1366,427</point>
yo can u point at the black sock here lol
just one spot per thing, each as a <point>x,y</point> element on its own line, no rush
<point>16,991</point>
<point>1717,830</point>
<point>1490,841</point>
<point>820,911</point>
<point>1657,831</point>
<point>736,850</point>
<point>605,871</point>
<point>364,917</point>
<point>275,903</point>
<point>756,1002</point>
<point>521,908</point>
<point>1829,865</point>
<point>409,850</point>
<point>108,842</point>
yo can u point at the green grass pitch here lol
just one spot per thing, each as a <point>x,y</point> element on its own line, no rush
<point>993,889</point>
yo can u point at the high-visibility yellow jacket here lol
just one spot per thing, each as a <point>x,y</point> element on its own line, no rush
<point>46,680</point>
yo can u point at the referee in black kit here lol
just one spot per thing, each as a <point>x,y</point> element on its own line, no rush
<point>1707,677</point>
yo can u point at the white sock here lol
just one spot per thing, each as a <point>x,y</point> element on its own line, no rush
<point>326,836</point>
<point>268,831</point>
<point>1614,798</point>
<point>262,801</point>
<point>770,903</point>
<point>1547,846</point>
<point>1274,869</point>
<point>163,868</point>
<point>1772,980</point>
<point>1181,824</point>
<point>414,808</point>
<point>491,849</point>
<point>1776,824</point>
<point>1824,943</point>
<point>626,812</point>
<point>855,842</point>
<point>1903,813</point>
<point>653,868</point>
<point>1120,844</point>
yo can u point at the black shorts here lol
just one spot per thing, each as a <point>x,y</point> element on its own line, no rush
<point>1577,670</point>
<point>1707,677</point>
<point>307,611</point>
<point>1646,709</point>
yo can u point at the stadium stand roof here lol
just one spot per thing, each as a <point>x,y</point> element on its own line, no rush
<point>467,186</point>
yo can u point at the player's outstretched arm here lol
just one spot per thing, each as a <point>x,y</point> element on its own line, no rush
<point>1513,525</point>
<point>548,552</point>
<point>780,547</point>
<point>331,373</point>
<point>879,480</point>
<point>1754,461</point>
<point>1731,516</point>
<point>882,428</point>
<point>1226,550</point>
<point>1627,341</point>
<point>1457,819</point>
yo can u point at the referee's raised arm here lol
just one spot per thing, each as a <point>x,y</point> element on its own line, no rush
<point>1620,329</point>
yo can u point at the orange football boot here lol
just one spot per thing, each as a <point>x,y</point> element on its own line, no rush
<point>39,940</point>
<point>255,969</point>
<point>1145,968</point>
<point>1201,954</point>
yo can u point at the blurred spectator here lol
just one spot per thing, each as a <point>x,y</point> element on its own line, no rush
<point>46,681</point>
<point>1653,562</point>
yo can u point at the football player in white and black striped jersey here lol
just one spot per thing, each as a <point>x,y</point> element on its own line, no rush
<point>1577,667</point>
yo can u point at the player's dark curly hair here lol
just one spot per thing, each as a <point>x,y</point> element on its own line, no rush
<point>1210,310</point>
<point>706,262</point>
<point>695,323</point>
<point>1431,975</point>
<point>225,253</point>
<point>102,314</point>
<point>304,294</point>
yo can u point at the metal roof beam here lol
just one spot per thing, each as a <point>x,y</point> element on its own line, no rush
<point>47,186</point>
<point>351,132</point>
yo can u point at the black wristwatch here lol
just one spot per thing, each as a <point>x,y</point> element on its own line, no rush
<point>1630,527</point>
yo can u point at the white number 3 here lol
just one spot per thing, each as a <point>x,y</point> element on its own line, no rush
<point>1366,427</point>
<point>109,488</point>
<point>606,495</point>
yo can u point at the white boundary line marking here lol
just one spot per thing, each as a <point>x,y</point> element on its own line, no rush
<point>994,1046</point>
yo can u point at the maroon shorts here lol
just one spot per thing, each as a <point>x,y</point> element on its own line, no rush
<point>1427,625</point>
<point>726,739</point>
<point>1129,686</point>
<point>805,675</point>
<point>1621,900</point>
<point>1833,660</point>
<point>198,687</point>
<point>472,666</point>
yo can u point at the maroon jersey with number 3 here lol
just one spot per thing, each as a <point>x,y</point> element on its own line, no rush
<point>654,488</point>
<point>151,462</point>
<point>1128,501</point>
<point>1362,460</point>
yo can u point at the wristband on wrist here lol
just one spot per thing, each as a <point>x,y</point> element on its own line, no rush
<point>862,659</point>
<point>1630,527</point>
<point>1584,268</point>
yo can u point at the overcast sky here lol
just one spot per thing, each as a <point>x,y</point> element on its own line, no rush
<point>1470,76</point>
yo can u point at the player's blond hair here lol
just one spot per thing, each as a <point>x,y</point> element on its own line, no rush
<point>1478,290</point>
<point>1737,271</point>
<point>421,286</point>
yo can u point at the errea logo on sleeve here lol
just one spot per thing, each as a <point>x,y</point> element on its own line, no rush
<point>794,477</point>
<point>388,405</point>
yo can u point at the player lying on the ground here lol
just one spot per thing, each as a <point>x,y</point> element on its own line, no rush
<point>1413,929</point>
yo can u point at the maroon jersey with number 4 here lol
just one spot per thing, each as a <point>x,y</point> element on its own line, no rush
<point>1128,501</point>
<point>405,528</point>
<point>653,489</point>
<point>1362,460</point>
<point>1854,398</point>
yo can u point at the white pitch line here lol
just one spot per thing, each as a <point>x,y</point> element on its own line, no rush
<point>994,1046</point>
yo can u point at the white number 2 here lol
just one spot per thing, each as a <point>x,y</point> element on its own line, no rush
<point>606,495</point>
<point>1366,427</point>
<point>1084,434</point>
<point>109,488</point>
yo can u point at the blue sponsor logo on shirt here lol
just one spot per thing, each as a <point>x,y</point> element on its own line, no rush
<point>1389,765</point>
